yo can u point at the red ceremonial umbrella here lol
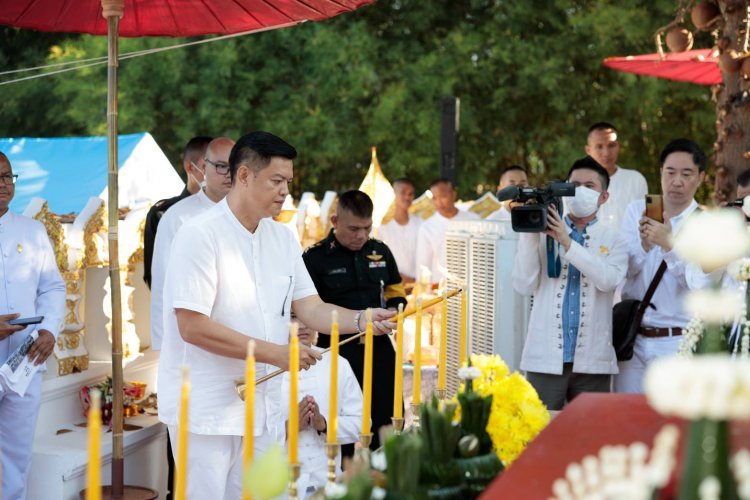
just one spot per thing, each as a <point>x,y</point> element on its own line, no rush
<point>695,66</point>
<point>152,18</point>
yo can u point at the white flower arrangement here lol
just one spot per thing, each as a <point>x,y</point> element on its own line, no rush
<point>711,386</point>
<point>740,269</point>
<point>378,493</point>
<point>713,239</point>
<point>469,373</point>
<point>621,471</point>
<point>691,335</point>
<point>378,461</point>
<point>335,490</point>
<point>714,306</point>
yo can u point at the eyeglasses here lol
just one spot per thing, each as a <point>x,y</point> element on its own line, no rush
<point>9,178</point>
<point>221,168</point>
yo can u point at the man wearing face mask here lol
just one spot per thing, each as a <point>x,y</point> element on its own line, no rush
<point>568,348</point>
<point>192,163</point>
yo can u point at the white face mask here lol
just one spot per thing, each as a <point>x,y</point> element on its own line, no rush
<point>584,203</point>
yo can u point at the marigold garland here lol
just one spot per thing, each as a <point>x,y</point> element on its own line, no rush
<point>517,414</point>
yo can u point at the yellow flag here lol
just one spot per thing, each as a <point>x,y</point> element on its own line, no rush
<point>377,187</point>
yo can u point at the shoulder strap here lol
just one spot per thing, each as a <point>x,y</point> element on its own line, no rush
<point>652,286</point>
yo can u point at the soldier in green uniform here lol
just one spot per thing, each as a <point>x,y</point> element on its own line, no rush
<point>352,270</point>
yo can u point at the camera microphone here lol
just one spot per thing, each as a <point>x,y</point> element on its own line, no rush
<point>508,193</point>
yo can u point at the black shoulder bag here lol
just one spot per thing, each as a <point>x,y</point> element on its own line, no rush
<point>627,316</point>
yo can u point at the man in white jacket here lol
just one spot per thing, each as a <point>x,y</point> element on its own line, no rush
<point>30,285</point>
<point>569,344</point>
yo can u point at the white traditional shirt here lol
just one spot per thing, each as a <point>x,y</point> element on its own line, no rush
<point>431,243</point>
<point>30,282</point>
<point>625,186</point>
<point>245,281</point>
<point>402,241</point>
<point>501,213</point>
<point>315,382</point>
<point>677,280</point>
<point>170,222</point>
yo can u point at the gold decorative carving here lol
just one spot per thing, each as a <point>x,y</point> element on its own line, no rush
<point>73,364</point>
<point>485,206</point>
<point>56,235</point>
<point>95,225</point>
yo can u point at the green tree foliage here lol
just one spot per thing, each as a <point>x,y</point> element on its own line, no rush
<point>528,74</point>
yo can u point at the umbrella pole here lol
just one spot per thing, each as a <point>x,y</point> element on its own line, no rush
<point>110,11</point>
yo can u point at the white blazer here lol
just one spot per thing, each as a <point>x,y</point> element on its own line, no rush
<point>603,262</point>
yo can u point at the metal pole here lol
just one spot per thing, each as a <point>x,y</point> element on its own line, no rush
<point>113,10</point>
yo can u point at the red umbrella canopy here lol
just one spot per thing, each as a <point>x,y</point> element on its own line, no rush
<point>695,66</point>
<point>171,17</point>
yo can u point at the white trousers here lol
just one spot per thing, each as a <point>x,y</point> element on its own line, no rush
<point>214,468</point>
<point>646,349</point>
<point>17,423</point>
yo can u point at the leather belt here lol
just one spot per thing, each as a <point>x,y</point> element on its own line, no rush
<point>660,332</point>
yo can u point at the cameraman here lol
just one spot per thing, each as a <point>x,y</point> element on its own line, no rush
<point>568,348</point>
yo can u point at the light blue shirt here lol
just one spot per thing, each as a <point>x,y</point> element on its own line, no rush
<point>572,300</point>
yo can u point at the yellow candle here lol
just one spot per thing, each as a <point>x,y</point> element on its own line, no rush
<point>249,413</point>
<point>367,382</point>
<point>417,389</point>
<point>94,466</point>
<point>293,429</point>
<point>462,337</point>
<point>333,394</point>
<point>443,342</point>
<point>180,477</point>
<point>398,388</point>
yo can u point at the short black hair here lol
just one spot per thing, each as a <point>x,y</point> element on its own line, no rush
<point>511,169</point>
<point>356,203</point>
<point>404,180</point>
<point>196,147</point>
<point>256,149</point>
<point>442,180</point>
<point>685,146</point>
<point>601,126</point>
<point>744,178</point>
<point>591,164</point>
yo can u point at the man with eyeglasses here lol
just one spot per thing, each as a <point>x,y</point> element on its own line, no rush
<point>192,163</point>
<point>218,182</point>
<point>215,171</point>
<point>30,285</point>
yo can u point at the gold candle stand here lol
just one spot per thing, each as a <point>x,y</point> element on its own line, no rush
<point>415,415</point>
<point>365,440</point>
<point>332,451</point>
<point>294,470</point>
<point>398,425</point>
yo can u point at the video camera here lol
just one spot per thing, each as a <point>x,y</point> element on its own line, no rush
<point>532,217</point>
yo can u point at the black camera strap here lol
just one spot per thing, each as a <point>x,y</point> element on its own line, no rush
<point>553,258</point>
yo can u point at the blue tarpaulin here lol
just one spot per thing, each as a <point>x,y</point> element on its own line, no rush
<point>68,171</point>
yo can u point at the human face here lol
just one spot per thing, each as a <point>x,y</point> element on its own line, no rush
<point>196,168</point>
<point>404,195</point>
<point>743,191</point>
<point>351,232</point>
<point>680,178</point>
<point>513,178</point>
<point>218,180</point>
<point>603,146</point>
<point>6,190</point>
<point>587,178</point>
<point>444,199</point>
<point>269,187</point>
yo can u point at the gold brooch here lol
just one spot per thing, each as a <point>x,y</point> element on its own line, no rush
<point>604,250</point>
<point>19,248</point>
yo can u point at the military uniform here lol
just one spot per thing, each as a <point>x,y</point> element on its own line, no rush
<point>358,280</point>
<point>149,231</point>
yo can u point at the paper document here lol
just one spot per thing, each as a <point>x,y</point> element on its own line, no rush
<point>18,370</point>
